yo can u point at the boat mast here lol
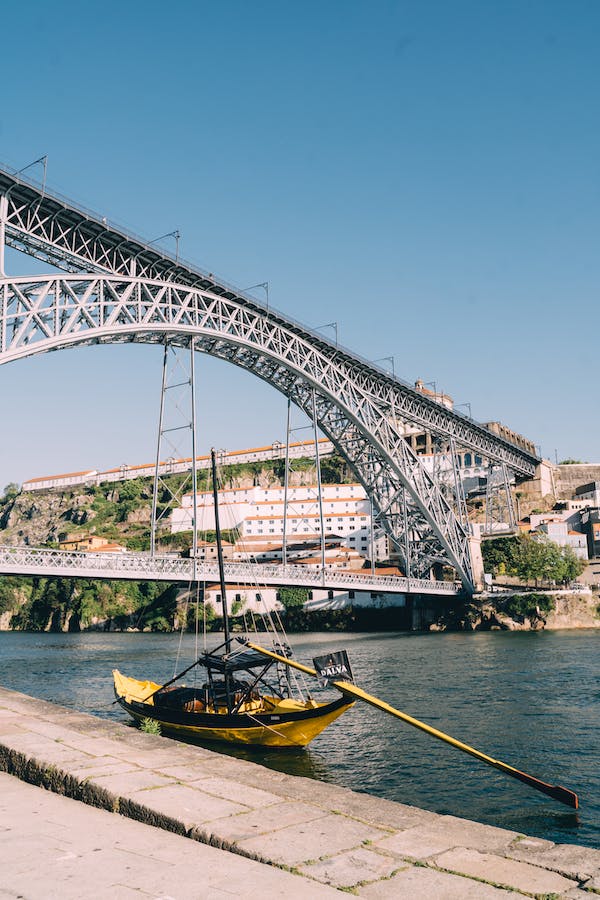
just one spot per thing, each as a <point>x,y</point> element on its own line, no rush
<point>220,551</point>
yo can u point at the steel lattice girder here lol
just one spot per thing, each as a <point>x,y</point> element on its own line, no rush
<point>56,230</point>
<point>39,314</point>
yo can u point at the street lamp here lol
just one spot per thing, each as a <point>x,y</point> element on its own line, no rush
<point>264,285</point>
<point>389,359</point>
<point>467,405</point>
<point>333,325</point>
<point>44,161</point>
<point>174,234</point>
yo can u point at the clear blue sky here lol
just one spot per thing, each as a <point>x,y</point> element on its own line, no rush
<point>424,173</point>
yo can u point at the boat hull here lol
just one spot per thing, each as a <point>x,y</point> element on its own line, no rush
<point>282,728</point>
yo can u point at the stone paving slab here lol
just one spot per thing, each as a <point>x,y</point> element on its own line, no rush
<point>444,833</point>
<point>352,867</point>
<point>352,841</point>
<point>427,884</point>
<point>55,848</point>
<point>126,784</point>
<point>501,871</point>
<point>582,863</point>
<point>227,790</point>
<point>189,806</point>
<point>284,814</point>
<point>8,728</point>
<point>104,765</point>
<point>321,837</point>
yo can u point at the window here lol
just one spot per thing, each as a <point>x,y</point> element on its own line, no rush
<point>310,595</point>
<point>218,598</point>
<point>330,595</point>
<point>258,598</point>
<point>350,595</point>
<point>238,598</point>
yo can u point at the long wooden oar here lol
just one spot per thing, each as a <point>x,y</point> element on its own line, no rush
<point>563,795</point>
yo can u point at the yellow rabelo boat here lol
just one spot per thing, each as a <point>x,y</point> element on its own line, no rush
<point>245,697</point>
<point>238,703</point>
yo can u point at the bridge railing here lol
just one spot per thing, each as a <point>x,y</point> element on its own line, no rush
<point>140,566</point>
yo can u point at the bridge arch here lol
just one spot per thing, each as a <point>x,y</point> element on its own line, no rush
<point>39,314</point>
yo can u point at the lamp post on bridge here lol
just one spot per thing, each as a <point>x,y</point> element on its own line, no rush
<point>333,325</point>
<point>174,234</point>
<point>264,285</point>
<point>44,161</point>
<point>390,359</point>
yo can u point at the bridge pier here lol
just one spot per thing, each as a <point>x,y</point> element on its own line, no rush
<point>476,561</point>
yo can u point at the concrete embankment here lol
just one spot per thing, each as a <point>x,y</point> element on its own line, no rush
<point>318,836</point>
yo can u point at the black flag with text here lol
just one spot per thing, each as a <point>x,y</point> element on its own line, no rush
<point>333,667</point>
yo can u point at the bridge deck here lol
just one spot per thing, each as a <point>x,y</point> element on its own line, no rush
<point>143,567</point>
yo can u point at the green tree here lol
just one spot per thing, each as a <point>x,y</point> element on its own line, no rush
<point>531,558</point>
<point>528,605</point>
<point>291,598</point>
<point>10,492</point>
<point>499,555</point>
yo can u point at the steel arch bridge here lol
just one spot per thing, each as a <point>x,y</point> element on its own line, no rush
<point>119,289</point>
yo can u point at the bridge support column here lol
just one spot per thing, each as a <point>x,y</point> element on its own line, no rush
<point>3,215</point>
<point>476,561</point>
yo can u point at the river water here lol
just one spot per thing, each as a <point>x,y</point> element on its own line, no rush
<point>529,699</point>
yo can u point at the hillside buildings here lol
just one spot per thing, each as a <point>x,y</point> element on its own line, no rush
<point>261,519</point>
<point>171,466</point>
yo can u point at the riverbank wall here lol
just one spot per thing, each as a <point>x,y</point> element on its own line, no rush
<point>329,835</point>
<point>419,613</point>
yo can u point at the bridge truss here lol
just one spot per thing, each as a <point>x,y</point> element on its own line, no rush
<point>120,289</point>
<point>142,567</point>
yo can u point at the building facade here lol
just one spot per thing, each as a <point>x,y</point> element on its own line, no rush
<point>259,516</point>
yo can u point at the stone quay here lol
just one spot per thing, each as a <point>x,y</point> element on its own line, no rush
<point>127,814</point>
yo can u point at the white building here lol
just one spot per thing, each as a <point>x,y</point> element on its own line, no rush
<point>170,466</point>
<point>589,494</point>
<point>243,598</point>
<point>60,481</point>
<point>258,515</point>
<point>560,533</point>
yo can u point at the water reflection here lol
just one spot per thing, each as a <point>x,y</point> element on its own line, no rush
<point>532,700</point>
